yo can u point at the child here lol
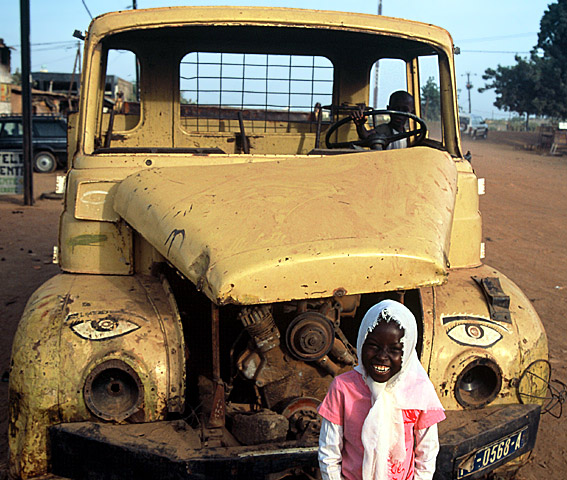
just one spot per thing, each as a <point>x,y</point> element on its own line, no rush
<point>380,419</point>
<point>401,101</point>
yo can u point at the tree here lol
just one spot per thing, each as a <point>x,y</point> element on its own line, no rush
<point>536,85</point>
<point>552,36</point>
<point>430,100</point>
<point>17,77</point>
<point>552,40</point>
<point>516,87</point>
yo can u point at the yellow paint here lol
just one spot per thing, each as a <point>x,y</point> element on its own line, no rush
<point>522,342</point>
<point>52,360</point>
<point>266,232</point>
<point>95,247</point>
<point>271,226</point>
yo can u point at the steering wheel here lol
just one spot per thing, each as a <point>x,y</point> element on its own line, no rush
<point>377,141</point>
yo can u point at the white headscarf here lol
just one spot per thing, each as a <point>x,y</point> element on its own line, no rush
<point>383,430</point>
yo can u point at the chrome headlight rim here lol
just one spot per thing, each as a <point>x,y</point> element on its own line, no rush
<point>113,383</point>
<point>478,383</point>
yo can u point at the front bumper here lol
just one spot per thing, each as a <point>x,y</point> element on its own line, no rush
<point>472,444</point>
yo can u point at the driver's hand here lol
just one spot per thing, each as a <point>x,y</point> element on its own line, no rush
<point>358,116</point>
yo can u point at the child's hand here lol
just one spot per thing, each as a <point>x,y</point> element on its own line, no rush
<point>358,116</point>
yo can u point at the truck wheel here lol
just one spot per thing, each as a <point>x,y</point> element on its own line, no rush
<point>44,162</point>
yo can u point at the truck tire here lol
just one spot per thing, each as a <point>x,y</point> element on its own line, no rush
<point>44,162</point>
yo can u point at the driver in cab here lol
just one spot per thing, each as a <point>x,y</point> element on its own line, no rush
<point>401,101</point>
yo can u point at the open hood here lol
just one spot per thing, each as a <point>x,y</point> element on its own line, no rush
<point>299,227</point>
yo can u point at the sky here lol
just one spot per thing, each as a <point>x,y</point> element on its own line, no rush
<point>488,32</point>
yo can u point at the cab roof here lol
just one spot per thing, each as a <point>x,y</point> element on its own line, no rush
<point>327,28</point>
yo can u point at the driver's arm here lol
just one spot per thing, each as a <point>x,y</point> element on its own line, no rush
<point>359,120</point>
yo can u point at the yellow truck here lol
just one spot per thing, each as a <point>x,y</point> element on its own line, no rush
<point>223,235</point>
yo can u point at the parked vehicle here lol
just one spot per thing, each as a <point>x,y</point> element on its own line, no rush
<point>222,240</point>
<point>473,125</point>
<point>49,137</point>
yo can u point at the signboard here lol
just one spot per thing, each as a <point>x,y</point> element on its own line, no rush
<point>5,92</point>
<point>11,172</point>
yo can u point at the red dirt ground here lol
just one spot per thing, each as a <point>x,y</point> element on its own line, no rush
<point>525,230</point>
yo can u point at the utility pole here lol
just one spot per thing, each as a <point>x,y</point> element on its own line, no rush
<point>376,68</point>
<point>469,86</point>
<point>26,100</point>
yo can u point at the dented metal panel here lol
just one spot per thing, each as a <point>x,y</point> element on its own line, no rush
<point>95,247</point>
<point>464,331</point>
<point>256,233</point>
<point>71,325</point>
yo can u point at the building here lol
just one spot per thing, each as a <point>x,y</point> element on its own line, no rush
<point>52,92</point>
<point>5,78</point>
<point>69,83</point>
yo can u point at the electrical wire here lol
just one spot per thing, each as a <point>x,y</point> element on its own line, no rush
<point>60,43</point>
<point>494,51</point>
<point>87,8</point>
<point>499,37</point>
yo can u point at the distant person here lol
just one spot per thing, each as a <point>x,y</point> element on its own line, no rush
<point>401,101</point>
<point>119,104</point>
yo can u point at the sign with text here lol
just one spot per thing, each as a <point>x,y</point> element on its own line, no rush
<point>11,173</point>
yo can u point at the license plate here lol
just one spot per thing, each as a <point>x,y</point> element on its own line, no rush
<point>493,453</point>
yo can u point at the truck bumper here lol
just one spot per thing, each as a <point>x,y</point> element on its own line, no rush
<point>472,444</point>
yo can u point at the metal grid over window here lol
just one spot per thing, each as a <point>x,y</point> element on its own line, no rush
<point>273,88</point>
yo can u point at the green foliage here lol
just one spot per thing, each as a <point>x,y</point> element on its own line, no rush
<point>430,100</point>
<point>185,101</point>
<point>552,40</point>
<point>17,77</point>
<point>536,85</point>
<point>552,37</point>
<point>516,87</point>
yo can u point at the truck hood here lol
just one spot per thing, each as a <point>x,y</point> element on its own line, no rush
<point>284,228</point>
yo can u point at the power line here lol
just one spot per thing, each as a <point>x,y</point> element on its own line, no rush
<point>499,37</point>
<point>87,8</point>
<point>49,49</point>
<point>63,42</point>
<point>52,61</point>
<point>494,51</point>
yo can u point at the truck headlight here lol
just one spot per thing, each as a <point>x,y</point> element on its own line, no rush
<point>113,391</point>
<point>478,384</point>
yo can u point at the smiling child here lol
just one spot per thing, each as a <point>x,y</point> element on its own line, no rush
<point>380,419</point>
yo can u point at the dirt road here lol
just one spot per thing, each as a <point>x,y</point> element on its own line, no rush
<point>525,229</point>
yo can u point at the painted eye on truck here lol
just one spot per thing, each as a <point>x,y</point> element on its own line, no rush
<point>474,334</point>
<point>103,328</point>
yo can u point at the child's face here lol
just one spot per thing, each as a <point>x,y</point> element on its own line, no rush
<point>382,351</point>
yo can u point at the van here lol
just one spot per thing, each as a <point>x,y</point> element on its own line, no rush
<point>473,125</point>
<point>49,139</point>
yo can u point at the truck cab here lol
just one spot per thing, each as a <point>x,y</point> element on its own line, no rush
<point>223,235</point>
